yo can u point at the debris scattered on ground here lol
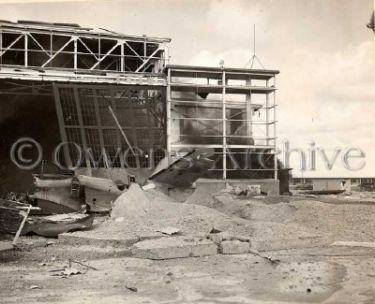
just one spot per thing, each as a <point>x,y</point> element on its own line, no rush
<point>49,243</point>
<point>137,214</point>
<point>354,244</point>
<point>214,230</point>
<point>173,247</point>
<point>70,272</point>
<point>53,194</point>
<point>169,230</point>
<point>82,264</point>
<point>131,288</point>
<point>5,245</point>
<point>34,287</point>
<point>268,258</point>
<point>100,193</point>
<point>52,226</point>
<point>184,171</point>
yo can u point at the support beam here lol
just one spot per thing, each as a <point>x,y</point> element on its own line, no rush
<point>274,131</point>
<point>63,135</point>
<point>10,45</point>
<point>26,41</point>
<point>75,65</point>
<point>268,115</point>
<point>249,112</point>
<point>105,56</point>
<point>39,45</point>
<point>122,61</point>
<point>168,112</point>
<point>147,60</point>
<point>223,79</point>
<point>81,128</point>
<point>57,52</point>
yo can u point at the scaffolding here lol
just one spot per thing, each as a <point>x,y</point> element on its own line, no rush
<point>68,52</point>
<point>230,110</point>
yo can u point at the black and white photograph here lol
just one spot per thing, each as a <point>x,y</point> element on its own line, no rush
<point>187,151</point>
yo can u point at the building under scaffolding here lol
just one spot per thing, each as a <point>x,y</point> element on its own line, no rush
<point>67,81</point>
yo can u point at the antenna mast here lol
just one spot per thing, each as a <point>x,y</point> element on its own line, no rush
<point>254,57</point>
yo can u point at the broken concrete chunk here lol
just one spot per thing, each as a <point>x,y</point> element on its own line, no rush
<point>173,247</point>
<point>217,238</point>
<point>34,287</point>
<point>169,230</point>
<point>70,271</point>
<point>224,236</point>
<point>234,247</point>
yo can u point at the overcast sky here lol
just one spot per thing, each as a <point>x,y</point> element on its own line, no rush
<point>325,54</point>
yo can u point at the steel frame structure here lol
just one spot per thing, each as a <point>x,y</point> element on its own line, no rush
<point>204,107</point>
<point>216,107</point>
<point>61,52</point>
<point>84,115</point>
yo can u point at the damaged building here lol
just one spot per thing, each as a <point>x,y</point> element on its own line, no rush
<point>102,92</point>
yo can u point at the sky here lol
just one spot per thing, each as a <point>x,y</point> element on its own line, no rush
<point>325,54</point>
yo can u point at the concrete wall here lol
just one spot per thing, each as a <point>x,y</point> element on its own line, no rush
<point>327,184</point>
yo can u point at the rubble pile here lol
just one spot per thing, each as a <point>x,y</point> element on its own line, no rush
<point>136,214</point>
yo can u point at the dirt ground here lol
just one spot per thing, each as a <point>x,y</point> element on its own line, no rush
<point>317,273</point>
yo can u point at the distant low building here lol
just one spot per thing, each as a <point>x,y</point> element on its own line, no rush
<point>337,183</point>
<point>331,184</point>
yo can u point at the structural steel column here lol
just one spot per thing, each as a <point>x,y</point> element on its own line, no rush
<point>224,127</point>
<point>81,127</point>
<point>26,48</point>
<point>267,116</point>
<point>75,53</point>
<point>274,129</point>
<point>249,117</point>
<point>1,46</point>
<point>168,112</point>
<point>60,118</point>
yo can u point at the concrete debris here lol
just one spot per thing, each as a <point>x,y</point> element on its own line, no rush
<point>34,287</point>
<point>248,191</point>
<point>131,288</point>
<point>65,272</point>
<point>173,247</point>
<point>234,247</point>
<point>224,236</point>
<point>354,244</point>
<point>214,230</point>
<point>70,272</point>
<point>4,246</point>
<point>169,230</point>
<point>132,203</point>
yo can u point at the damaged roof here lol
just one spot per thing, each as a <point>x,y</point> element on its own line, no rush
<point>69,28</point>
